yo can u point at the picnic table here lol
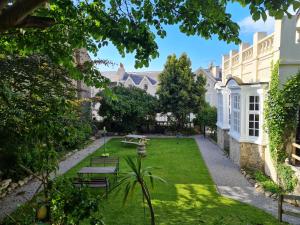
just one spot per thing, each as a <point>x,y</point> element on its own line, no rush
<point>135,139</point>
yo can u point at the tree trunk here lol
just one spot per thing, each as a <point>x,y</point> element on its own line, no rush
<point>148,199</point>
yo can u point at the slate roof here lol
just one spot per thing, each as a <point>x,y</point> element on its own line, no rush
<point>207,73</point>
<point>138,78</point>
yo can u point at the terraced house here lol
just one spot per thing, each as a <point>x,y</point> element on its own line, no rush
<point>244,88</point>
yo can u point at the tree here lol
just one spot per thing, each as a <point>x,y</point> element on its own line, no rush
<point>39,115</point>
<point>137,176</point>
<point>127,109</point>
<point>57,27</point>
<point>180,91</point>
<point>207,117</point>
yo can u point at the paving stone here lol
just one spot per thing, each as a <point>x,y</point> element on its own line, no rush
<point>231,183</point>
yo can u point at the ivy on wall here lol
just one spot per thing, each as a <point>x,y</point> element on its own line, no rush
<point>281,112</point>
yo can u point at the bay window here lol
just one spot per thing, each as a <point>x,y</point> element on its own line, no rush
<point>235,113</point>
<point>253,128</point>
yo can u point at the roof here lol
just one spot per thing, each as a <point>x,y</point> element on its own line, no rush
<point>138,78</point>
<point>206,73</point>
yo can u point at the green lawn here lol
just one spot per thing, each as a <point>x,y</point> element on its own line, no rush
<point>189,197</point>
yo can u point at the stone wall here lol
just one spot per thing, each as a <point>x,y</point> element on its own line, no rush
<point>234,151</point>
<point>252,156</point>
<point>223,138</point>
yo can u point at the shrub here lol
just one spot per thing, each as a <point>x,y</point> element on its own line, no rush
<point>127,109</point>
<point>38,107</point>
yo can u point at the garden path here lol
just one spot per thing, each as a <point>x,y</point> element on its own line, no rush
<point>231,183</point>
<point>23,194</point>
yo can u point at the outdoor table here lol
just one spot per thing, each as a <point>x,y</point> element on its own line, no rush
<point>98,170</point>
<point>135,139</point>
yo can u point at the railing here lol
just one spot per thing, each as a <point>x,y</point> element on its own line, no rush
<point>247,53</point>
<point>295,157</point>
<point>266,45</point>
<point>282,211</point>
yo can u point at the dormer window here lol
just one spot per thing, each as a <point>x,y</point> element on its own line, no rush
<point>145,87</point>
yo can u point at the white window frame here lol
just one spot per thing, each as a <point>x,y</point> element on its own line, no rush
<point>220,108</point>
<point>253,127</point>
<point>235,125</point>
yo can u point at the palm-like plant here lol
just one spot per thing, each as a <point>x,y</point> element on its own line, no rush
<point>136,176</point>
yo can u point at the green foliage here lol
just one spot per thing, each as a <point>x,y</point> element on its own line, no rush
<point>180,91</point>
<point>281,110</point>
<point>287,177</point>
<point>127,109</point>
<point>39,114</point>
<point>267,183</point>
<point>70,205</point>
<point>207,117</point>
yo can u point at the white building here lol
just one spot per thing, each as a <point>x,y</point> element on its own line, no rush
<point>212,75</point>
<point>243,90</point>
<point>147,81</point>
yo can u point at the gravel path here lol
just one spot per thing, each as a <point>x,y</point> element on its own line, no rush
<point>21,195</point>
<point>231,183</point>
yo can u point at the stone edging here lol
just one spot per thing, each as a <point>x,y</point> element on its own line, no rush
<point>7,186</point>
<point>258,187</point>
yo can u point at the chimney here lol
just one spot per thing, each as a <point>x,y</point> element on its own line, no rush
<point>121,71</point>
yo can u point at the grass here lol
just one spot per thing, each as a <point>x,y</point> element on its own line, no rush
<point>189,197</point>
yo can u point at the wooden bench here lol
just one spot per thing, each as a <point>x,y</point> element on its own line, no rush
<point>282,211</point>
<point>105,161</point>
<point>92,183</point>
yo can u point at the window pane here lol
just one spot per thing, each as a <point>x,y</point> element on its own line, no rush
<point>251,125</point>
<point>257,99</point>
<point>251,99</point>
<point>256,125</point>
<point>256,117</point>
<point>256,133</point>
<point>250,132</point>
<point>256,106</point>
<point>251,117</point>
<point>251,107</point>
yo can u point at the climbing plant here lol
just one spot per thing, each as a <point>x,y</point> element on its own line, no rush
<point>281,119</point>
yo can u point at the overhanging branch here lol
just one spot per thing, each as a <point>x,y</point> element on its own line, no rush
<point>36,22</point>
<point>15,14</point>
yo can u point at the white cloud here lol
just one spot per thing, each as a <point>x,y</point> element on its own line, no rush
<point>248,25</point>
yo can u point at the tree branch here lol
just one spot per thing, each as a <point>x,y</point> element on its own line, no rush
<point>15,14</point>
<point>36,22</point>
<point>3,4</point>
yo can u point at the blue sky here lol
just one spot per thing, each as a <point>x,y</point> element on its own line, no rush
<point>200,50</point>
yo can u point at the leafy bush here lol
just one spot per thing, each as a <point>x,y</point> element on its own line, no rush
<point>68,205</point>
<point>38,108</point>
<point>281,110</point>
<point>127,109</point>
<point>267,183</point>
<point>207,117</point>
